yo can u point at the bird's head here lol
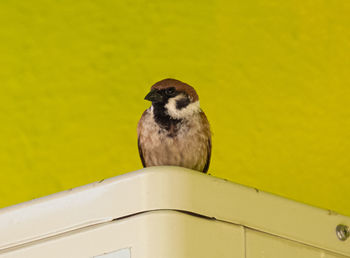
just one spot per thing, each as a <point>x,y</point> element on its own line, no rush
<point>177,99</point>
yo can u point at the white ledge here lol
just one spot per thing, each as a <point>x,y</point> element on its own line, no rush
<point>170,188</point>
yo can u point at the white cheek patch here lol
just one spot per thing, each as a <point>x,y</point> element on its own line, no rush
<point>187,111</point>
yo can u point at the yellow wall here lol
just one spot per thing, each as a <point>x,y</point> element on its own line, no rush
<point>273,78</point>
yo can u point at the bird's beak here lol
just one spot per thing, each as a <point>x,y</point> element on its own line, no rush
<point>154,96</point>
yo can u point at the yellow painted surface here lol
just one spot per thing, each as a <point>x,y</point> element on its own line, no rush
<point>273,78</point>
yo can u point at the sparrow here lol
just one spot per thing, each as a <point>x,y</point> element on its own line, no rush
<point>174,131</point>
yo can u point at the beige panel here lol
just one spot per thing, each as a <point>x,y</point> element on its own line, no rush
<point>156,234</point>
<point>262,245</point>
<point>158,188</point>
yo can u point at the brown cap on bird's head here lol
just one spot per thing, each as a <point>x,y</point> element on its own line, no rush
<point>178,85</point>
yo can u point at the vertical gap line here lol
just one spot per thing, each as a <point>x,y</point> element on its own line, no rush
<point>245,241</point>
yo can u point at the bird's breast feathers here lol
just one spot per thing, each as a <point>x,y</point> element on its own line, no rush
<point>182,144</point>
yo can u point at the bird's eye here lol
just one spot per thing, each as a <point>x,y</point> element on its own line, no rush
<point>170,91</point>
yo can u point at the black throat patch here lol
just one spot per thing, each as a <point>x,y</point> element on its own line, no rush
<point>164,120</point>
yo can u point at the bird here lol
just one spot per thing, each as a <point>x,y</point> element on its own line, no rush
<point>174,131</point>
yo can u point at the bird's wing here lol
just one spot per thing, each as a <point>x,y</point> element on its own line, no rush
<point>139,132</point>
<point>207,163</point>
<point>208,133</point>
<point>140,152</point>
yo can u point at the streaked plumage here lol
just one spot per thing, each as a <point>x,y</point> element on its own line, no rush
<point>174,130</point>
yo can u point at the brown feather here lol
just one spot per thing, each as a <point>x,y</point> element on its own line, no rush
<point>178,85</point>
<point>141,153</point>
<point>139,134</point>
<point>208,133</point>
